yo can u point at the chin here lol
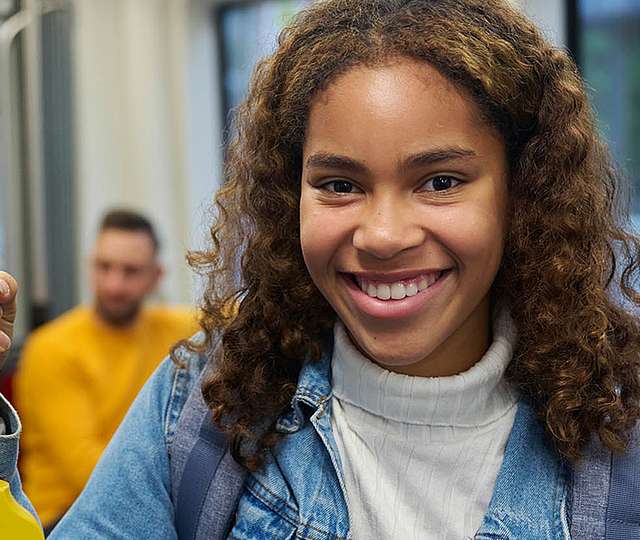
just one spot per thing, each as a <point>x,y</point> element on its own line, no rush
<point>120,316</point>
<point>392,354</point>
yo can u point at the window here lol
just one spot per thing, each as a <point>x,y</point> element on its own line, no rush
<point>605,38</point>
<point>248,32</point>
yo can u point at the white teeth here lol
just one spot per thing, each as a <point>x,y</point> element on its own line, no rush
<point>398,290</point>
<point>412,289</point>
<point>384,291</point>
<point>372,290</point>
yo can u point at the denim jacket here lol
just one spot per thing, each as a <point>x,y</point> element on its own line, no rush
<point>300,492</point>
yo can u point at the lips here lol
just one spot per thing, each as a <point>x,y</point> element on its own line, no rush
<point>393,295</point>
<point>399,289</point>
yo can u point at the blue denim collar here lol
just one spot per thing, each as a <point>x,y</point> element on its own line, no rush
<point>314,389</point>
<point>530,496</point>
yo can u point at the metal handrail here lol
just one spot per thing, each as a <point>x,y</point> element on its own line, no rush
<point>28,255</point>
<point>34,164</point>
<point>15,24</point>
<point>9,30</point>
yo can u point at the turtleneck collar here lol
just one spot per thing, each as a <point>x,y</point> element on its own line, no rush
<point>473,398</point>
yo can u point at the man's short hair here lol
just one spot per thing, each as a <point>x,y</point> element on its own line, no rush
<point>129,220</point>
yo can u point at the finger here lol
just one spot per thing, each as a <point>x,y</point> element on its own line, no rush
<point>8,287</point>
<point>8,291</point>
<point>5,342</point>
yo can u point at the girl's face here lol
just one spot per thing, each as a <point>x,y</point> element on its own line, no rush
<point>402,215</point>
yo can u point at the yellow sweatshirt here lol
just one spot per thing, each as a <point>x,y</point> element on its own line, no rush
<point>77,377</point>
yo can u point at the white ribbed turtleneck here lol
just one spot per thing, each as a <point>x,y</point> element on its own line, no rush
<point>421,455</point>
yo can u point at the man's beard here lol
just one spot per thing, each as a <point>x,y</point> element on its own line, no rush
<point>123,316</point>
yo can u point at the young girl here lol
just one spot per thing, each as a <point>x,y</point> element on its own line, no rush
<point>418,310</point>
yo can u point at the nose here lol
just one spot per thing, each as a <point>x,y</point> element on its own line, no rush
<point>114,281</point>
<point>387,229</point>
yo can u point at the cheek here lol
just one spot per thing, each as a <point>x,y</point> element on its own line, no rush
<point>315,243</point>
<point>324,233</point>
<point>474,235</point>
<point>147,281</point>
<point>99,280</point>
<point>311,240</point>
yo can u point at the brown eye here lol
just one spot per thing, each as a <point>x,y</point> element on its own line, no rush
<point>441,183</point>
<point>340,186</point>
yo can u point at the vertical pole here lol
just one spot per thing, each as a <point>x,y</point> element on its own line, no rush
<point>12,256</point>
<point>34,155</point>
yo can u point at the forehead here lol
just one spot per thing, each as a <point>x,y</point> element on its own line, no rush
<point>403,105</point>
<point>124,247</point>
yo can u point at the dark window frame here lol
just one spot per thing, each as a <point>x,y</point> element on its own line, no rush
<point>628,161</point>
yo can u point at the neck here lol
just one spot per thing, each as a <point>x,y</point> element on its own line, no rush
<point>468,399</point>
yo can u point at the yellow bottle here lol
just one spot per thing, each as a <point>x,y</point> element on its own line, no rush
<point>16,523</point>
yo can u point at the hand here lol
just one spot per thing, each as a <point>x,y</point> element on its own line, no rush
<point>8,290</point>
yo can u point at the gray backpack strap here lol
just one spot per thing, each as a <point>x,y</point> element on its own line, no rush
<point>623,510</point>
<point>590,492</point>
<point>206,481</point>
<point>606,493</point>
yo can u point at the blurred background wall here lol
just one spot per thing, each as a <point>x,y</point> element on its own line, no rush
<point>147,129</point>
<point>103,103</point>
<point>124,102</point>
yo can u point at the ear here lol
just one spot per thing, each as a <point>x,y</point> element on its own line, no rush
<point>158,273</point>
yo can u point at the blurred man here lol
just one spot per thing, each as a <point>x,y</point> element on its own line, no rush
<point>79,374</point>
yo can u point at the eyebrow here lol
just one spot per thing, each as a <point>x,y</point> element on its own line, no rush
<point>437,155</point>
<point>336,161</point>
<point>326,160</point>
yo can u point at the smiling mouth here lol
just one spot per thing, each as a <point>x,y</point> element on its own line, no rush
<point>397,290</point>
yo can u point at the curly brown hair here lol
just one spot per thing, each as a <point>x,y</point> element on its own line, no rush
<point>569,265</point>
